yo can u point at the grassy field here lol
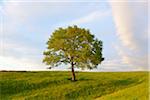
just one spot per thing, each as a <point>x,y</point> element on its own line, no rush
<point>90,86</point>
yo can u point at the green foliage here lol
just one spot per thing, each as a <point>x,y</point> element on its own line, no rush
<point>90,86</point>
<point>73,45</point>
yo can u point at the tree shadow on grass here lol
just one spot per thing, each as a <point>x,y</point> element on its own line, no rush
<point>79,79</point>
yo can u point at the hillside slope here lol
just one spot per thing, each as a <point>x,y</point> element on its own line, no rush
<point>57,86</point>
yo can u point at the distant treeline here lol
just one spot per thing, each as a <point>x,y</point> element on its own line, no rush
<point>11,71</point>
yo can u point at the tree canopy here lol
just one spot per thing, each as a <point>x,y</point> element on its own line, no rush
<point>75,46</point>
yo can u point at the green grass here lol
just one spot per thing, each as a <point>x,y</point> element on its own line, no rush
<point>90,86</point>
<point>126,94</point>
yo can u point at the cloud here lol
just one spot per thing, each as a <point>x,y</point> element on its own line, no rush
<point>18,12</point>
<point>10,48</point>
<point>131,20</point>
<point>15,56</point>
<point>91,17</point>
<point>96,15</point>
<point>12,63</point>
<point>133,59</point>
<point>120,64</point>
<point>17,48</point>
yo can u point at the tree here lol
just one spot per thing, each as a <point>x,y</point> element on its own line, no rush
<point>75,46</point>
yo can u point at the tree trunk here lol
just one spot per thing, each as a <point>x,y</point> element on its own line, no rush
<point>73,73</point>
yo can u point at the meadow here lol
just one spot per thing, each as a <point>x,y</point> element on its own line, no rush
<point>56,85</point>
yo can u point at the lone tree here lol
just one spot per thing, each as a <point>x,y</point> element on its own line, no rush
<point>75,46</point>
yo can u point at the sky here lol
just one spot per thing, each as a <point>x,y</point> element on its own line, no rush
<point>122,25</point>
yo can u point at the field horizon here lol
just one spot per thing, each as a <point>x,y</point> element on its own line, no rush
<point>69,71</point>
